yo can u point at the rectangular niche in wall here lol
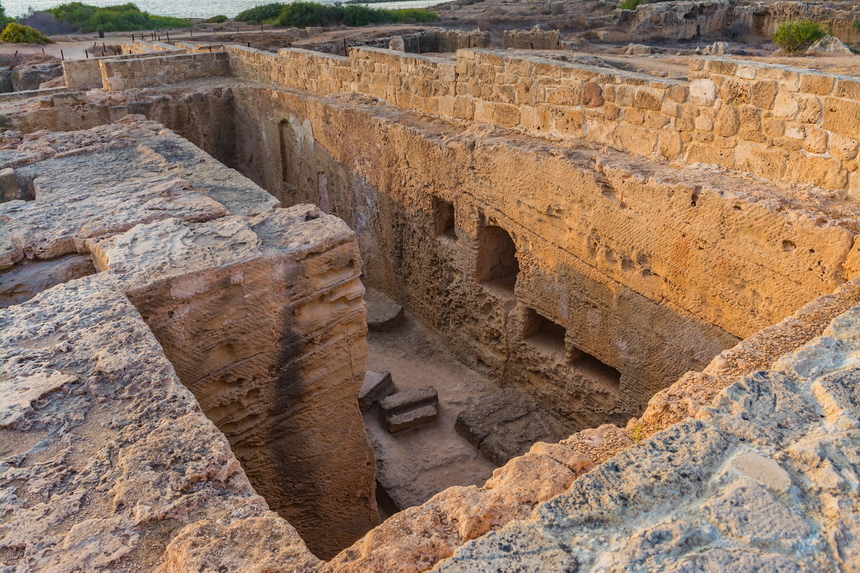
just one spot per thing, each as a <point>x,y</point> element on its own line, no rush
<point>543,334</point>
<point>497,258</point>
<point>443,218</point>
<point>609,377</point>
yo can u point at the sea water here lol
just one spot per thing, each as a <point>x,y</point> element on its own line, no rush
<point>186,8</point>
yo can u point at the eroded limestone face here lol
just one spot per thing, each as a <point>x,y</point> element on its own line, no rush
<point>259,309</point>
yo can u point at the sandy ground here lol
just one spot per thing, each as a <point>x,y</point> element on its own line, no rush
<point>417,463</point>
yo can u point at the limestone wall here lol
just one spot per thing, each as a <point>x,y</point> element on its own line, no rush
<point>197,115</point>
<point>145,47</point>
<point>120,74</point>
<point>771,121</point>
<point>295,68</point>
<point>598,236</point>
<point>534,39</point>
<point>87,73</point>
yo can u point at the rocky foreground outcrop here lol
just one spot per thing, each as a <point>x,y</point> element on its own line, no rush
<point>259,309</point>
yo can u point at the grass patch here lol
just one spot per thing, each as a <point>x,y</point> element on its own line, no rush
<point>796,36</point>
<point>219,19</point>
<point>304,14</point>
<point>119,18</point>
<point>17,34</point>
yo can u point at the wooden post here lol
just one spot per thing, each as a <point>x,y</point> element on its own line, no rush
<point>87,54</point>
<point>62,57</point>
<point>132,38</point>
<point>168,36</point>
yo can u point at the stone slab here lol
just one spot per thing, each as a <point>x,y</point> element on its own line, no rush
<point>409,399</point>
<point>409,418</point>
<point>383,313</point>
<point>376,386</point>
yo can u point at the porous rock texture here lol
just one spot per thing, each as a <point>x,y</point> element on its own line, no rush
<point>258,308</point>
<point>759,481</point>
<point>107,461</point>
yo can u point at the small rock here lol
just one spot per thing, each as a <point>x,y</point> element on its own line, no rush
<point>382,312</point>
<point>376,386</point>
<point>396,43</point>
<point>716,48</point>
<point>829,44</point>
<point>638,50</point>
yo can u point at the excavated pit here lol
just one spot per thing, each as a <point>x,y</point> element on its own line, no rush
<point>572,274</point>
<point>463,243</point>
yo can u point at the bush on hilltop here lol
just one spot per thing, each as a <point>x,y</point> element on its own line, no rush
<point>258,14</point>
<point>17,34</point>
<point>119,18</point>
<point>304,14</point>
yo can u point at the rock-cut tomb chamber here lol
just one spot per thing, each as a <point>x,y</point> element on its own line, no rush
<point>666,264</point>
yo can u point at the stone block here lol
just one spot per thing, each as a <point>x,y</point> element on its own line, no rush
<point>410,418</point>
<point>592,95</point>
<point>408,408</point>
<point>703,91</point>
<point>847,88</point>
<point>816,84</point>
<point>677,94</point>
<point>409,400</point>
<point>816,141</point>
<point>840,117</point>
<point>843,148</point>
<point>376,387</point>
<point>647,99</point>
<point>810,110</point>
<point>728,121</point>
<point>770,164</point>
<point>785,106</point>
<point>823,171</point>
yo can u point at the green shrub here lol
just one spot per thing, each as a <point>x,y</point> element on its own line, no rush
<point>17,34</point>
<point>264,13</point>
<point>629,4</point>
<point>304,14</point>
<point>796,36</point>
<point>219,19</point>
<point>119,18</point>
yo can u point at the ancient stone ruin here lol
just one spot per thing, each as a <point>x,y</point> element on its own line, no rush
<point>657,271</point>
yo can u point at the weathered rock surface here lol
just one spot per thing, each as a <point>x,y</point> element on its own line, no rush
<point>26,280</point>
<point>741,487</point>
<point>31,76</point>
<point>376,387</point>
<point>504,425</point>
<point>383,313</point>
<point>409,408</point>
<point>259,310</point>
<point>108,463</point>
<point>829,44</point>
